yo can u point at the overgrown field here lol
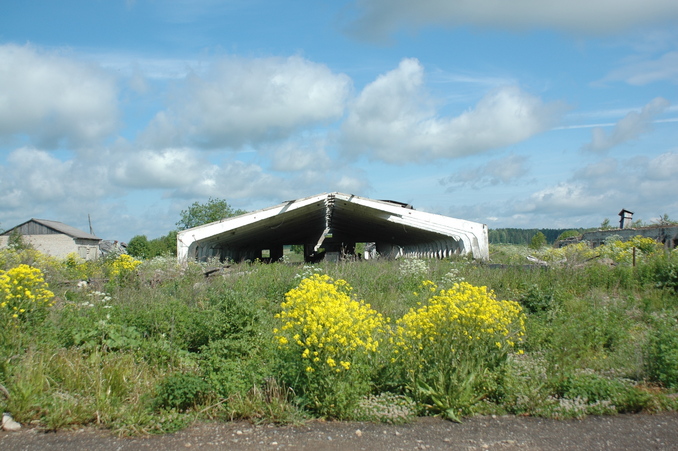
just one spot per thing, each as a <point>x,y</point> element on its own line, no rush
<point>151,346</point>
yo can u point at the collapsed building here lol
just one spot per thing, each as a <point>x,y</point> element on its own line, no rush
<point>329,226</point>
<point>665,233</point>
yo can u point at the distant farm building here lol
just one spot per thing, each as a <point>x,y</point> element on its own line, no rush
<point>667,235</point>
<point>329,226</point>
<point>626,219</point>
<point>55,238</point>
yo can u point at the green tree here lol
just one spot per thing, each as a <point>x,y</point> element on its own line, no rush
<point>139,247</point>
<point>663,220</point>
<point>538,241</point>
<point>568,234</point>
<point>638,223</point>
<point>165,245</point>
<point>297,248</point>
<point>202,213</point>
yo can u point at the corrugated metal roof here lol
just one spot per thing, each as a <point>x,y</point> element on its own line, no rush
<point>58,227</point>
<point>334,219</point>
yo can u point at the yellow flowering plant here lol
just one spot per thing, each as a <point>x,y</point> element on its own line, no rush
<point>326,338</point>
<point>623,251</point>
<point>448,342</point>
<point>123,265</point>
<point>23,294</point>
<point>11,258</point>
<point>77,268</point>
<point>572,254</point>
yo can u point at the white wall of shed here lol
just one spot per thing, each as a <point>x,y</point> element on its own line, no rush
<point>56,245</point>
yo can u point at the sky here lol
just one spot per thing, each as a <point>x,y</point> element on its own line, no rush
<point>520,113</point>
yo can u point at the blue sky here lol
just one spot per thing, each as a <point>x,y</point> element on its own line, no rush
<point>514,113</point>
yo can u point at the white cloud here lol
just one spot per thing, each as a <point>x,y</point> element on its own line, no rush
<point>597,191</point>
<point>628,128</point>
<point>601,175</point>
<point>34,183</point>
<point>664,167</point>
<point>570,198</point>
<point>36,177</point>
<point>395,120</point>
<point>500,171</point>
<point>293,156</point>
<point>351,184</point>
<point>644,185</point>
<point>233,180</point>
<point>379,18</point>
<point>137,81</point>
<point>246,182</point>
<point>37,183</point>
<point>134,65</point>
<point>244,101</point>
<point>185,173</point>
<point>480,80</point>
<point>640,72</point>
<point>167,168</point>
<point>54,100</point>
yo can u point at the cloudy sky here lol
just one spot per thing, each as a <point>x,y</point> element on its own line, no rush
<point>514,113</point>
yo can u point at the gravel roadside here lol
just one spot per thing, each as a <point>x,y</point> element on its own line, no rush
<point>621,432</point>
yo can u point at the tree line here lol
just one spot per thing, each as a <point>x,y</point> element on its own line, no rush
<point>524,236</point>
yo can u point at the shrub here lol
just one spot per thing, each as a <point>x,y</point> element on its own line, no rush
<point>572,254</point>
<point>663,352</point>
<point>181,391</point>
<point>23,293</point>
<point>447,345</point>
<point>76,268</point>
<point>521,384</point>
<point>536,300</point>
<point>413,267</point>
<point>568,234</point>
<point>123,265</point>
<point>412,271</point>
<point>327,338</point>
<point>666,272</point>
<point>621,395</point>
<point>622,251</point>
<point>10,258</point>
<point>538,241</point>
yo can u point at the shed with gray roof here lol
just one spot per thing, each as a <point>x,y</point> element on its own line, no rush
<point>55,238</point>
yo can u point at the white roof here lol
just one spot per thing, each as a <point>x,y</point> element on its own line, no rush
<point>339,218</point>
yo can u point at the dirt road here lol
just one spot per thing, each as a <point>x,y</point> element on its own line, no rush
<point>622,432</point>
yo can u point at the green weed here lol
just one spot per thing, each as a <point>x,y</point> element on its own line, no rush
<point>160,345</point>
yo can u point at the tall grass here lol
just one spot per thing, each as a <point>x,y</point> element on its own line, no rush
<point>150,348</point>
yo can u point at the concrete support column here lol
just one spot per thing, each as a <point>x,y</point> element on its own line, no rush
<point>276,253</point>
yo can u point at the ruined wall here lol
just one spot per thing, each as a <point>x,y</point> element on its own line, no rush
<point>666,235</point>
